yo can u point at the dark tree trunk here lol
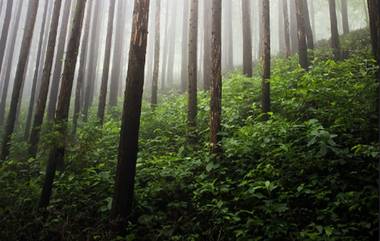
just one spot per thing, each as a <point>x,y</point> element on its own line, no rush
<point>82,67</point>
<point>58,61</point>
<point>216,80</point>
<point>207,28</point>
<point>19,77</point>
<point>293,26</point>
<point>36,71</point>
<point>10,53</point>
<point>45,81</point>
<point>185,44</point>
<point>302,45</point>
<point>335,44</point>
<point>286,27</point>
<point>266,59</point>
<point>128,145</point>
<point>346,26</point>
<point>106,64</point>
<point>5,31</point>
<point>156,68</point>
<point>308,29</point>
<point>247,38</point>
<point>193,71</point>
<point>57,152</point>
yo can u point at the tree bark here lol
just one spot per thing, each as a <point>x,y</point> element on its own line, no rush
<point>128,145</point>
<point>5,31</point>
<point>247,38</point>
<point>228,58</point>
<point>335,43</point>
<point>165,50</point>
<point>216,80</point>
<point>302,45</point>
<point>19,77</point>
<point>156,68</point>
<point>36,71</point>
<point>207,28</point>
<point>308,28</point>
<point>293,26</point>
<point>185,44</point>
<point>266,59</point>
<point>58,61</point>
<point>106,64</point>
<point>193,71</point>
<point>57,152</point>
<point>286,27</point>
<point>45,81</point>
<point>344,10</point>
<point>172,41</point>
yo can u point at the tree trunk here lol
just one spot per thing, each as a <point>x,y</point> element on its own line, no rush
<point>207,28</point>
<point>106,65</point>
<point>266,58</point>
<point>286,28</point>
<point>156,68</point>
<point>216,80</point>
<point>58,61</point>
<point>10,53</point>
<point>344,10</point>
<point>227,45</point>
<point>312,19</point>
<point>308,28</point>
<point>185,44</point>
<point>171,54</point>
<point>193,71</point>
<point>19,77</point>
<point>45,81</point>
<point>293,26</point>
<point>247,38</point>
<point>335,44</point>
<point>57,152</point>
<point>128,145</point>
<point>165,50</point>
<point>5,30</point>
<point>302,45</point>
<point>36,71</point>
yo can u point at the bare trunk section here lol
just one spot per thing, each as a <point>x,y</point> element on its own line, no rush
<point>165,50</point>
<point>128,145</point>
<point>185,44</point>
<point>192,85</point>
<point>57,152</point>
<point>266,58</point>
<point>5,31</point>
<point>344,10</point>
<point>286,27</point>
<point>293,26</point>
<point>302,44</point>
<point>335,43</point>
<point>106,64</point>
<point>207,28</point>
<point>227,45</point>
<point>247,38</point>
<point>19,77</point>
<point>308,28</point>
<point>156,68</point>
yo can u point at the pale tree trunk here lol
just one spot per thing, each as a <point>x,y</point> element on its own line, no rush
<point>247,38</point>
<point>172,41</point>
<point>344,10</point>
<point>286,27</point>
<point>166,46</point>
<point>185,44</point>
<point>207,28</point>
<point>5,30</point>
<point>156,68</point>
<point>266,58</point>
<point>293,26</point>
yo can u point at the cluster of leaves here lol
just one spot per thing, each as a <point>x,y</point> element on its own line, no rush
<point>309,173</point>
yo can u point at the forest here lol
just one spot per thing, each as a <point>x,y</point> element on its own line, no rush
<point>190,120</point>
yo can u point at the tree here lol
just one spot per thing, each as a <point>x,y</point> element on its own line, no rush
<point>36,71</point>
<point>54,87</point>
<point>19,77</point>
<point>192,85</point>
<point>172,42</point>
<point>335,43</point>
<point>45,81</point>
<point>128,145</point>
<point>228,58</point>
<point>302,45</point>
<point>207,28</point>
<point>265,100</point>
<point>166,46</point>
<point>57,152</point>
<point>106,64</point>
<point>344,11</point>
<point>216,80</point>
<point>185,44</point>
<point>156,67</point>
<point>308,28</point>
<point>5,30</point>
<point>286,27</point>
<point>293,26</point>
<point>247,38</point>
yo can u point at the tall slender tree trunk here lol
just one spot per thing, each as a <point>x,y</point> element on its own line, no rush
<point>10,53</point>
<point>172,40</point>
<point>308,28</point>
<point>216,80</point>
<point>5,30</point>
<point>207,28</point>
<point>302,45</point>
<point>165,50</point>
<point>185,45</point>
<point>192,85</point>
<point>19,77</point>
<point>59,58</point>
<point>128,145</point>
<point>45,81</point>
<point>293,26</point>
<point>156,68</point>
<point>106,64</point>
<point>344,10</point>
<point>36,71</point>
<point>286,27</point>
<point>227,45</point>
<point>281,30</point>
<point>312,19</point>
<point>266,58</point>
<point>57,152</point>
<point>247,38</point>
<point>335,43</point>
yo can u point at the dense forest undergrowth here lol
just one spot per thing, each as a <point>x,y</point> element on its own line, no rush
<point>309,173</point>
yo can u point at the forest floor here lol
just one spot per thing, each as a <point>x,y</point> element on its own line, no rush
<point>309,173</point>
